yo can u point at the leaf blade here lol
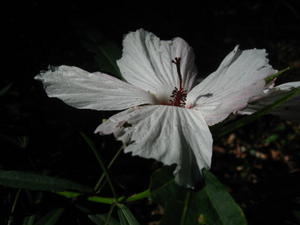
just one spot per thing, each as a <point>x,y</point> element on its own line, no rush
<point>100,219</point>
<point>29,220</point>
<point>125,216</point>
<point>51,218</point>
<point>31,181</point>
<point>226,213</point>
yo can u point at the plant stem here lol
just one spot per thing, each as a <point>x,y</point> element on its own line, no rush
<point>108,200</point>
<point>105,172</point>
<point>97,187</point>
<point>10,220</point>
<point>107,219</point>
<point>185,208</point>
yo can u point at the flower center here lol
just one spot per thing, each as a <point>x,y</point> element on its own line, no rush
<point>178,96</point>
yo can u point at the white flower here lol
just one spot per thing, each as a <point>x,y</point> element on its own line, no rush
<point>167,114</point>
<point>290,109</point>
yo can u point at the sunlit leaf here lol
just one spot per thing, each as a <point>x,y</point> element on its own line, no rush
<point>18,179</point>
<point>50,218</point>
<point>125,216</point>
<point>100,219</point>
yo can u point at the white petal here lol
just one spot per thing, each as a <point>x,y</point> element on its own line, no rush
<point>288,110</point>
<point>171,135</point>
<point>85,90</point>
<point>147,63</point>
<point>239,78</point>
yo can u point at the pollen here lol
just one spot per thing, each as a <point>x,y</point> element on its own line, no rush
<point>178,97</point>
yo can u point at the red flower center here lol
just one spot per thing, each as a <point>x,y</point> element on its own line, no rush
<point>178,97</point>
<point>178,94</point>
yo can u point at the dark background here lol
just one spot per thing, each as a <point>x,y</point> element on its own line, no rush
<point>41,134</point>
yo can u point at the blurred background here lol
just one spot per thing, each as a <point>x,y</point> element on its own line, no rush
<point>259,163</point>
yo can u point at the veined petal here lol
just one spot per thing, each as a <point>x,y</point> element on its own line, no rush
<point>98,91</point>
<point>171,135</point>
<point>288,110</point>
<point>147,62</point>
<point>239,78</point>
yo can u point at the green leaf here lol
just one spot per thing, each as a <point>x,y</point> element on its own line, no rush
<point>218,207</point>
<point>17,179</point>
<point>20,142</point>
<point>100,219</point>
<point>105,53</point>
<point>271,138</point>
<point>212,205</point>
<point>50,218</point>
<point>125,216</point>
<point>5,89</point>
<point>29,220</point>
<point>175,199</point>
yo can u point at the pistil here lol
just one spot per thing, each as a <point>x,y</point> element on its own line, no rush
<point>179,94</point>
<point>176,61</point>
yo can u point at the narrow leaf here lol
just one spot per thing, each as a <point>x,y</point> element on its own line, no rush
<point>17,179</point>
<point>125,216</point>
<point>51,218</point>
<point>102,165</point>
<point>105,52</point>
<point>111,52</point>
<point>218,207</point>
<point>29,220</point>
<point>5,89</point>
<point>20,142</point>
<point>212,205</point>
<point>178,202</point>
<point>100,219</point>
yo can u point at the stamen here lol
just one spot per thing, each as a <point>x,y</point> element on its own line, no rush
<point>179,97</point>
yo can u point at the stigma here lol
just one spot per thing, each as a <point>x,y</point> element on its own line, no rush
<point>178,97</point>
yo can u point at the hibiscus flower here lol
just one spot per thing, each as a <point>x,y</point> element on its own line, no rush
<point>167,113</point>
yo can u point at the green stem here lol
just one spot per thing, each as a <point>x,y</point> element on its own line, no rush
<point>107,219</point>
<point>93,148</point>
<point>185,208</point>
<point>107,200</point>
<point>273,76</point>
<point>97,186</point>
<point>14,206</point>
<point>138,196</point>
